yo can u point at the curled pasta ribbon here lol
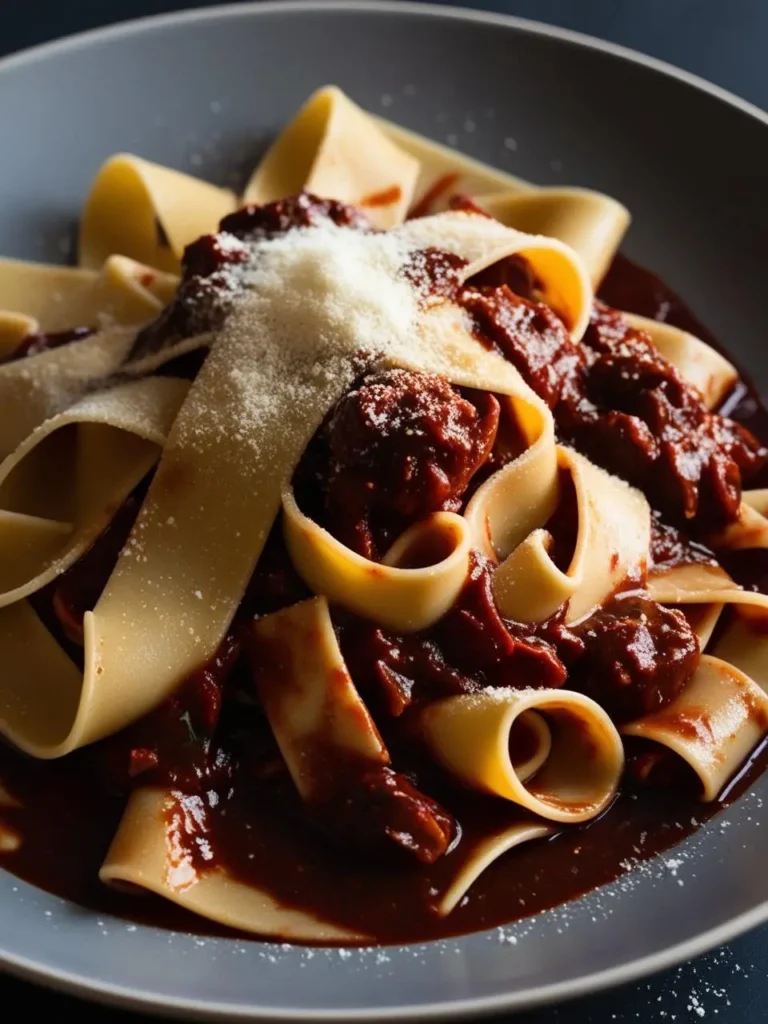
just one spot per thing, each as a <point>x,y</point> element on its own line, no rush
<point>712,725</point>
<point>698,363</point>
<point>148,212</point>
<point>37,297</point>
<point>390,593</point>
<point>473,736</point>
<point>336,151</point>
<point>560,272</point>
<point>611,543</point>
<point>590,223</point>
<point>528,586</point>
<point>143,854</point>
<point>520,497</point>
<point>103,447</point>
<point>483,854</point>
<point>62,486</point>
<point>708,589</point>
<point>613,537</point>
<point>316,714</point>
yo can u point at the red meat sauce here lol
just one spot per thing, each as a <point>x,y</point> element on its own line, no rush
<point>398,447</point>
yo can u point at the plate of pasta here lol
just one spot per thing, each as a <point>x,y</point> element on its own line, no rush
<point>383,523</point>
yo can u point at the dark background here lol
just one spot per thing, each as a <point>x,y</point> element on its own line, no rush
<point>722,40</point>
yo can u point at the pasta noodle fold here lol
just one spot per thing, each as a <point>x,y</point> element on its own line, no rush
<point>144,854</point>
<point>336,151</point>
<point>151,213</point>
<point>75,471</point>
<point>522,496</point>
<point>117,299</point>
<point>750,530</point>
<point>52,298</point>
<point>712,725</point>
<point>444,173</point>
<point>483,854</point>
<point>48,706</point>
<point>318,719</point>
<point>561,274</point>
<point>611,542</point>
<point>590,223</point>
<point>473,736</point>
<point>698,363</point>
<point>708,590</point>
<point>393,594</point>
<point>527,585</point>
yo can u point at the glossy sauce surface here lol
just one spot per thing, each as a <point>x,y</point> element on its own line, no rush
<point>66,823</point>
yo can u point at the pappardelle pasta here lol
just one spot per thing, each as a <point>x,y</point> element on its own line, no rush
<point>349,541</point>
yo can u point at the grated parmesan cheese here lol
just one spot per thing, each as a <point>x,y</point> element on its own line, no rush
<point>315,306</point>
<point>330,290</point>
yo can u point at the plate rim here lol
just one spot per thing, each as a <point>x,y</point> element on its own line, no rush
<point>80,985</point>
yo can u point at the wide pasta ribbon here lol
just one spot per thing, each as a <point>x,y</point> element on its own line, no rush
<point>34,298</point>
<point>140,209</point>
<point>102,447</point>
<point>393,592</point>
<point>142,854</point>
<point>720,716</point>
<point>62,486</point>
<point>591,223</point>
<point>709,589</point>
<point>568,772</point>
<point>507,518</point>
<point>334,150</point>
<point>561,279</point>
<point>722,712</point>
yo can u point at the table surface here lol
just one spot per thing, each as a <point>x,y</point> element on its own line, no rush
<point>724,42</point>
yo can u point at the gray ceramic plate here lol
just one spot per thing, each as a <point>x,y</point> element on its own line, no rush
<point>204,91</point>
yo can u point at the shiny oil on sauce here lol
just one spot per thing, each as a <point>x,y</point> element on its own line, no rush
<point>67,824</point>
